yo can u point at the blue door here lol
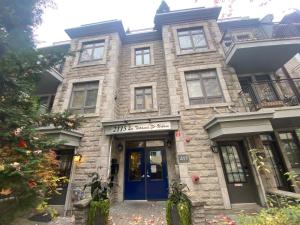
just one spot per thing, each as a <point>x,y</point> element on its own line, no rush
<point>146,174</point>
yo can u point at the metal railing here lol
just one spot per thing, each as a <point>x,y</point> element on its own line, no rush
<point>272,31</point>
<point>269,94</point>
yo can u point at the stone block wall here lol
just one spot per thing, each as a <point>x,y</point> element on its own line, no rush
<point>135,75</point>
<point>193,138</point>
<point>94,145</point>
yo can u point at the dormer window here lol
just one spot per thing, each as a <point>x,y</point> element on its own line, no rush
<point>192,38</point>
<point>91,51</point>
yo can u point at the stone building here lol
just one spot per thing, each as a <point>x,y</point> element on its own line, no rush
<point>187,99</point>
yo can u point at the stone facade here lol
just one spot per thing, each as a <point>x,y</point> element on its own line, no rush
<point>118,76</point>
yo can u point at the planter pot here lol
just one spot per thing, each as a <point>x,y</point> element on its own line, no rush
<point>99,218</point>
<point>98,212</point>
<point>175,219</point>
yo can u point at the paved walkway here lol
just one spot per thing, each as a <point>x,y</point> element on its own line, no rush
<point>138,213</point>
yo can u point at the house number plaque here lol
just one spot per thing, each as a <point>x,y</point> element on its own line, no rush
<point>141,127</point>
<point>183,158</point>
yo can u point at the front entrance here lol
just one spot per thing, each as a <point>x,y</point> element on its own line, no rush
<point>146,174</point>
<point>239,178</point>
<point>65,158</point>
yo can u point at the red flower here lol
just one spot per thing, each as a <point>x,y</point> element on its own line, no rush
<point>32,183</point>
<point>22,143</point>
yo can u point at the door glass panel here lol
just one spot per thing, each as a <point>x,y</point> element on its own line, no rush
<point>291,148</point>
<point>135,166</point>
<point>233,166</point>
<point>155,164</point>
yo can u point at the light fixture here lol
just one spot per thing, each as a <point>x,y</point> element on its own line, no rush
<point>214,147</point>
<point>169,143</point>
<point>120,147</point>
<point>77,157</point>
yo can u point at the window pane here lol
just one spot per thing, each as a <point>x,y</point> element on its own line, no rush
<point>211,87</point>
<point>183,33</point>
<point>148,101</point>
<point>199,41</point>
<point>98,53</point>
<point>155,164</point>
<point>87,45</point>
<point>194,89</point>
<point>198,31</point>
<point>192,76</point>
<point>138,60</point>
<point>91,97</point>
<point>86,55</point>
<point>148,90</point>
<point>146,50</point>
<point>138,52</point>
<point>78,99</point>
<point>185,42</point>
<point>147,58</point>
<point>139,102</point>
<point>134,166</point>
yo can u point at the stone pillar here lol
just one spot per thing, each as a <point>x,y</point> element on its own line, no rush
<point>198,213</point>
<point>81,211</point>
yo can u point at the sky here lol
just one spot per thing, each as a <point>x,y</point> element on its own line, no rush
<point>139,14</point>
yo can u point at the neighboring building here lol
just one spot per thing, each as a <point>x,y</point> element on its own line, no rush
<point>158,104</point>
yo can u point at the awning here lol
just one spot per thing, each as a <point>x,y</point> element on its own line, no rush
<point>232,125</point>
<point>70,137</point>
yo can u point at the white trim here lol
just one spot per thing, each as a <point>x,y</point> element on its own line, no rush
<point>132,50</point>
<point>104,38</point>
<point>132,97</point>
<point>220,77</point>
<point>83,80</point>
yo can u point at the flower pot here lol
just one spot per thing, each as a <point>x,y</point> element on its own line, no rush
<point>175,219</point>
<point>98,212</point>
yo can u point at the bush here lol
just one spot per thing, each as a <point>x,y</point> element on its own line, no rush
<point>274,216</point>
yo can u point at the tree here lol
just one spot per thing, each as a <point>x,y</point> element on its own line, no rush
<point>27,160</point>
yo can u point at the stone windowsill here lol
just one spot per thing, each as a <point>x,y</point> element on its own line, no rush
<point>142,65</point>
<point>196,52</point>
<point>203,106</point>
<point>143,111</point>
<point>94,63</point>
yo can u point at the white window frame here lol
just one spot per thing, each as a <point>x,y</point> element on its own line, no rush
<point>81,42</point>
<point>133,49</point>
<point>220,77</point>
<point>68,94</point>
<point>208,38</point>
<point>132,97</point>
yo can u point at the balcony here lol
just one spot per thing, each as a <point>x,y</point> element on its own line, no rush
<point>263,49</point>
<point>271,94</point>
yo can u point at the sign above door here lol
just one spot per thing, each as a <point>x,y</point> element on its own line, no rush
<point>140,125</point>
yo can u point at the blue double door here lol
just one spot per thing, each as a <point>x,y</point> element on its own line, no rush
<point>146,174</point>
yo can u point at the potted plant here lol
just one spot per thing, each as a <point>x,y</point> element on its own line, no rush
<point>178,210</point>
<point>99,206</point>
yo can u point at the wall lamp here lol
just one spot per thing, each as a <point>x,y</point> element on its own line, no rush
<point>77,157</point>
<point>214,147</point>
<point>120,147</point>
